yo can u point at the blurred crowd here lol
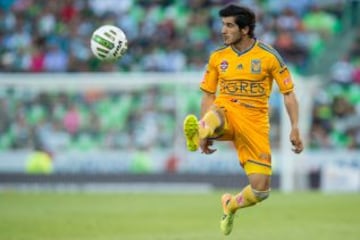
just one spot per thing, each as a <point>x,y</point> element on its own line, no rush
<point>164,35</point>
<point>87,120</point>
<point>336,114</point>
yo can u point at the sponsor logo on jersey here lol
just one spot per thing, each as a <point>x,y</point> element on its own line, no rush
<point>243,88</point>
<point>240,67</point>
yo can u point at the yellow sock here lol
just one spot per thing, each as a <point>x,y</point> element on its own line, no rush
<point>245,198</point>
<point>208,124</point>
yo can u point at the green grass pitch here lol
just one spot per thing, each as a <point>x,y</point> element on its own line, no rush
<point>100,216</point>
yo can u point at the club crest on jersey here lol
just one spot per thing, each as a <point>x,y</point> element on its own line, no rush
<point>224,65</point>
<point>255,66</point>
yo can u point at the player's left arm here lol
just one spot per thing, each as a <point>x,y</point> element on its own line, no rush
<point>292,108</point>
<point>283,78</point>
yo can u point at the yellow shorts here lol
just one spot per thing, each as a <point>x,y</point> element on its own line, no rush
<point>248,128</point>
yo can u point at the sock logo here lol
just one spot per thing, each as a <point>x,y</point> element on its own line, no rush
<point>240,199</point>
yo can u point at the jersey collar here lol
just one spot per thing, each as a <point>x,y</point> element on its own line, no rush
<point>244,51</point>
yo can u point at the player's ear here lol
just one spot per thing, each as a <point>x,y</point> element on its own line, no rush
<point>245,30</point>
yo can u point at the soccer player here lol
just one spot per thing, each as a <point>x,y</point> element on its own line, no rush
<point>234,106</point>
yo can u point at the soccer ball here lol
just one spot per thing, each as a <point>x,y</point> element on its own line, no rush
<point>108,43</point>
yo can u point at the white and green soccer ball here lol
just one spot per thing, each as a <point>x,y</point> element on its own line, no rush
<point>108,43</point>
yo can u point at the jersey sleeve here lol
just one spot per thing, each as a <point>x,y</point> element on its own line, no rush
<point>210,78</point>
<point>281,74</point>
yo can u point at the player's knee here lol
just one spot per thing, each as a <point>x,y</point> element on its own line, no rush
<point>219,113</point>
<point>261,195</point>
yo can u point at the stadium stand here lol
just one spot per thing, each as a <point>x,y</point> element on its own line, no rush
<point>164,36</point>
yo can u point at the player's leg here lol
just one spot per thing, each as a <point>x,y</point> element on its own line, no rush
<point>195,130</point>
<point>257,191</point>
<point>253,146</point>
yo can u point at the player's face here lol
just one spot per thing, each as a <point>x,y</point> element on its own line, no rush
<point>231,32</point>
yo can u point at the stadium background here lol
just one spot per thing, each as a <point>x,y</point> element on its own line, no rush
<point>117,127</point>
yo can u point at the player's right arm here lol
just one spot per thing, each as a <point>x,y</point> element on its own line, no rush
<point>208,86</point>
<point>206,101</point>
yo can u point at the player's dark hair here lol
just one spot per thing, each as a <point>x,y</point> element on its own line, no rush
<point>244,17</point>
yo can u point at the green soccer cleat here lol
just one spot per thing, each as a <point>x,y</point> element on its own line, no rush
<point>227,220</point>
<point>191,132</point>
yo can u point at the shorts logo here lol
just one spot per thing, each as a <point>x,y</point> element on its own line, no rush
<point>287,81</point>
<point>265,157</point>
<point>255,66</point>
<point>224,65</point>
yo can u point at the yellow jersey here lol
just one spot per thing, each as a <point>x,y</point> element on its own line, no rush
<point>246,77</point>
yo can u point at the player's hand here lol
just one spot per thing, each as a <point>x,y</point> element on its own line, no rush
<point>296,141</point>
<point>205,146</point>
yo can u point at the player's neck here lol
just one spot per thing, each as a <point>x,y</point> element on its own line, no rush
<point>244,44</point>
